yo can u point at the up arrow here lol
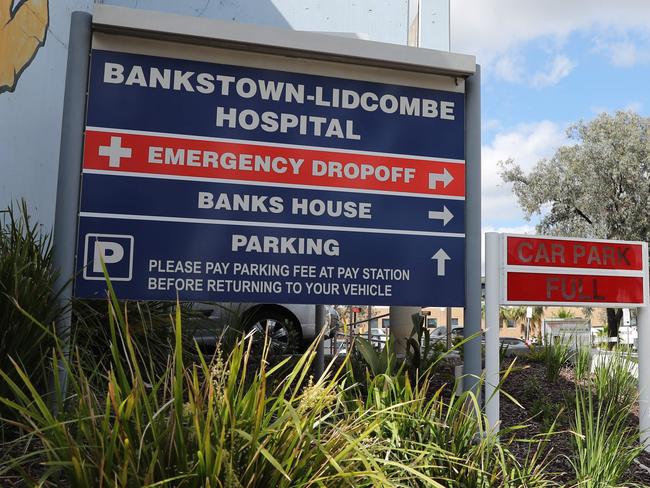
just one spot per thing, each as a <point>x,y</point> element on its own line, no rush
<point>442,257</point>
<point>434,178</point>
<point>445,215</point>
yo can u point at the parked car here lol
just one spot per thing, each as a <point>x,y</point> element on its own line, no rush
<point>290,327</point>
<point>513,346</point>
<point>440,333</point>
<point>378,337</point>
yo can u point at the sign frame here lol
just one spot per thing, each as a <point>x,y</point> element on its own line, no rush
<point>161,26</point>
<point>117,22</point>
<point>505,268</point>
<point>495,296</point>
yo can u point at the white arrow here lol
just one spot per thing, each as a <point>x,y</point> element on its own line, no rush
<point>442,257</point>
<point>434,178</point>
<point>445,215</point>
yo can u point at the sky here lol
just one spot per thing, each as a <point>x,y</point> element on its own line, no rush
<point>544,66</point>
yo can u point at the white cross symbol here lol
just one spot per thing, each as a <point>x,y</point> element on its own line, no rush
<point>115,152</point>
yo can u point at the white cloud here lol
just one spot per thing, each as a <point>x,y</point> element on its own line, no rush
<point>509,68</point>
<point>526,144</point>
<point>491,124</point>
<point>492,28</point>
<point>622,52</point>
<point>634,106</point>
<point>519,229</point>
<point>560,68</point>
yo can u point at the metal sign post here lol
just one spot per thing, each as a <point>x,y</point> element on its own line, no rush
<point>319,361</point>
<point>492,286</point>
<point>472,367</point>
<point>643,327</point>
<point>68,186</point>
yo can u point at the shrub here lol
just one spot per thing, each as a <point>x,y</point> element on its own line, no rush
<point>26,283</point>
<point>613,379</point>
<point>446,438</point>
<point>583,362</point>
<point>209,424</point>
<point>231,421</point>
<point>545,412</point>
<point>555,356</point>
<point>150,330</point>
<point>604,445</point>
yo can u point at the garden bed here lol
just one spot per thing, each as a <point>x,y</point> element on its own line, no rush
<point>542,402</point>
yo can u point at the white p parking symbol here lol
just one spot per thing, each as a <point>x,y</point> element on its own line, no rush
<point>108,253</point>
<point>114,251</point>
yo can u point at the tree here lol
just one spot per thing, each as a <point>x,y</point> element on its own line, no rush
<point>346,311</point>
<point>563,313</point>
<point>598,187</point>
<point>512,314</point>
<point>536,321</point>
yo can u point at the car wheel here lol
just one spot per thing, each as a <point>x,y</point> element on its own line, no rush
<point>284,334</point>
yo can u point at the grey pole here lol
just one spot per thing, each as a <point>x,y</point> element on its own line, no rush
<point>319,362</point>
<point>492,299</point>
<point>350,330</point>
<point>472,349</point>
<point>70,156</point>
<point>643,324</point>
<point>448,323</point>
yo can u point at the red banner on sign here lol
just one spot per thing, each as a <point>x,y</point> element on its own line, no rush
<point>228,160</point>
<point>561,253</point>
<point>571,288</point>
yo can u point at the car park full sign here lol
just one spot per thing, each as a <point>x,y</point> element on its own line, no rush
<point>220,175</point>
<point>559,271</point>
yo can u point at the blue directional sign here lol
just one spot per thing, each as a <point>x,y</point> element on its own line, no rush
<point>215,182</point>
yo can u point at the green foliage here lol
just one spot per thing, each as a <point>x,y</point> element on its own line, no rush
<point>379,362</point>
<point>421,353</point>
<point>230,421</point>
<point>503,352</point>
<point>604,444</point>
<point>150,329</point>
<point>564,313</point>
<point>613,379</point>
<point>583,362</point>
<point>598,186</point>
<point>545,411</point>
<point>537,352</point>
<point>531,387</point>
<point>446,438</point>
<point>555,355</point>
<point>512,314</point>
<point>209,424</point>
<point>26,288</point>
<point>602,338</point>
